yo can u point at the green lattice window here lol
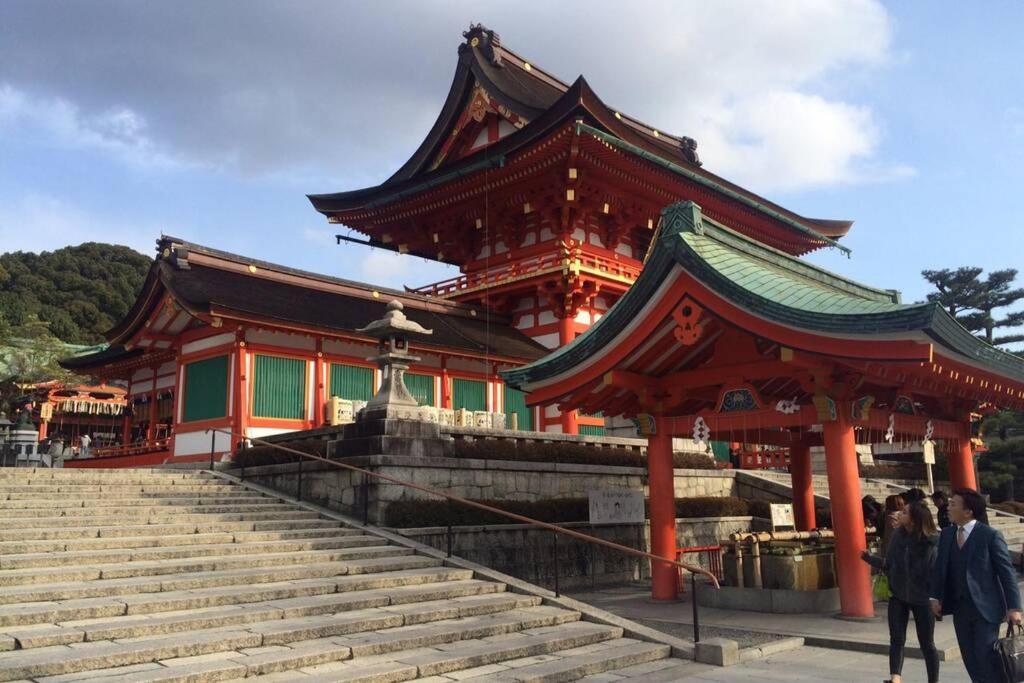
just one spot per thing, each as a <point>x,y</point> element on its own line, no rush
<point>591,430</point>
<point>206,389</point>
<point>279,390</point>
<point>351,382</point>
<point>469,394</point>
<point>515,402</point>
<point>421,387</point>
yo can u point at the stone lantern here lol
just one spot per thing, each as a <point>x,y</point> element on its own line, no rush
<point>5,429</point>
<point>393,400</point>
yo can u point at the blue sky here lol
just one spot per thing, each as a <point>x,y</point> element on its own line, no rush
<point>211,121</point>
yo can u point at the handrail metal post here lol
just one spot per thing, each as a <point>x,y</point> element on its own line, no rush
<point>696,617</point>
<point>366,499</point>
<point>213,446</point>
<point>449,539</point>
<point>554,535</point>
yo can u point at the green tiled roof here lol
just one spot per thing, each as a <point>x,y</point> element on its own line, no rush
<point>773,285</point>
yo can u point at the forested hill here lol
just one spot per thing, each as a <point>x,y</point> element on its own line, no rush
<point>80,291</point>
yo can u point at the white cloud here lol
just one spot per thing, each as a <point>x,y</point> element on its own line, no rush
<point>762,86</point>
<point>348,90</point>
<point>38,222</point>
<point>118,131</point>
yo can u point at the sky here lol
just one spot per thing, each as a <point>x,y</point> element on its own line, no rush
<point>211,121</point>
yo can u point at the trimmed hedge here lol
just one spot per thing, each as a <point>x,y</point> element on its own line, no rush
<point>422,513</point>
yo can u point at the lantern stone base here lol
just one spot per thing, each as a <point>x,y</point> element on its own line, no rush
<point>377,432</point>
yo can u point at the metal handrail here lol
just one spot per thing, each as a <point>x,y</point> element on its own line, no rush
<point>693,569</point>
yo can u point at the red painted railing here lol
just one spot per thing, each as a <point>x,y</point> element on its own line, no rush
<point>714,561</point>
<point>521,269</point>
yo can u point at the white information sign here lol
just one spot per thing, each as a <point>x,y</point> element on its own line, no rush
<point>616,506</point>
<point>782,515</point>
<point>928,450</point>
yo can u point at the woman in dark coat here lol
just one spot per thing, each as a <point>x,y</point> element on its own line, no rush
<point>908,563</point>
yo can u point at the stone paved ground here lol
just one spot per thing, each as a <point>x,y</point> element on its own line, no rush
<point>819,664</point>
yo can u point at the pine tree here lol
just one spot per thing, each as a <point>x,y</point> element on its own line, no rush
<point>975,303</point>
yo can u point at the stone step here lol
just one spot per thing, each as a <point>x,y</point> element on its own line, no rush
<point>309,598</point>
<point>208,589</point>
<point>316,660</point>
<point>121,531</point>
<point>107,556</point>
<point>169,517</point>
<point>443,600</point>
<point>575,663</point>
<point>487,656</point>
<point>385,630</point>
<point>110,500</point>
<point>14,492</point>
<point>353,558</point>
<point>668,670</point>
<point>146,511</point>
<point>102,543</point>
<point>157,487</point>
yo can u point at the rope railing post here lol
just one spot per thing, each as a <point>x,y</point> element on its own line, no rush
<point>696,616</point>
<point>522,519</point>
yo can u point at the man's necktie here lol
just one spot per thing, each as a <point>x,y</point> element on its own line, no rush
<point>961,537</point>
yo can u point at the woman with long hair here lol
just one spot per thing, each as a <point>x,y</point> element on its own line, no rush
<point>889,521</point>
<point>907,563</point>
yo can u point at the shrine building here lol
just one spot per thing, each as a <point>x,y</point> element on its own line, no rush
<point>583,305</point>
<point>544,197</point>
<point>725,337</point>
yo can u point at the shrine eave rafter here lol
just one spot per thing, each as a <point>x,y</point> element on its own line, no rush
<point>700,272</point>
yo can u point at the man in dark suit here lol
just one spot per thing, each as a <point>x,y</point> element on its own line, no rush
<point>976,583</point>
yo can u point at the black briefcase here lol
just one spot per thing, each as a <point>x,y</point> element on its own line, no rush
<point>1011,654</point>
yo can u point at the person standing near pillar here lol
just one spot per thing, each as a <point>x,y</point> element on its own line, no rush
<point>908,564</point>
<point>974,581</point>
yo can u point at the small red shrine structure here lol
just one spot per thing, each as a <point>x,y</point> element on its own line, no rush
<point>724,337</point>
<point>546,198</point>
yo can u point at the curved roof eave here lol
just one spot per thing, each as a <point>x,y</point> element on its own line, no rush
<point>876,317</point>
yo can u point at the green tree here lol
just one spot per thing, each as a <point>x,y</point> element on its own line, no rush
<point>976,303</point>
<point>80,291</point>
<point>956,290</point>
<point>29,354</point>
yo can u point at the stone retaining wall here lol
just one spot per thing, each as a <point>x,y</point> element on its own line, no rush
<point>342,490</point>
<point>528,553</point>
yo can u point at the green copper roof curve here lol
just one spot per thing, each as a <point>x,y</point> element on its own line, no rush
<point>772,285</point>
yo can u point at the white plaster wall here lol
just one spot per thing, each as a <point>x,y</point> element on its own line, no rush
<point>260,432</point>
<point>191,443</point>
<point>548,340</point>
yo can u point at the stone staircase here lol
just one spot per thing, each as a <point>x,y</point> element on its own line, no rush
<point>1010,525</point>
<point>175,576</point>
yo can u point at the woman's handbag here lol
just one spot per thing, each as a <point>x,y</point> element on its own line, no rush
<point>880,587</point>
<point>1010,651</point>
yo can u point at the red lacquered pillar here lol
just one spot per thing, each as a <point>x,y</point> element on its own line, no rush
<point>961,462</point>
<point>803,486</point>
<point>663,512</point>
<point>855,597</point>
